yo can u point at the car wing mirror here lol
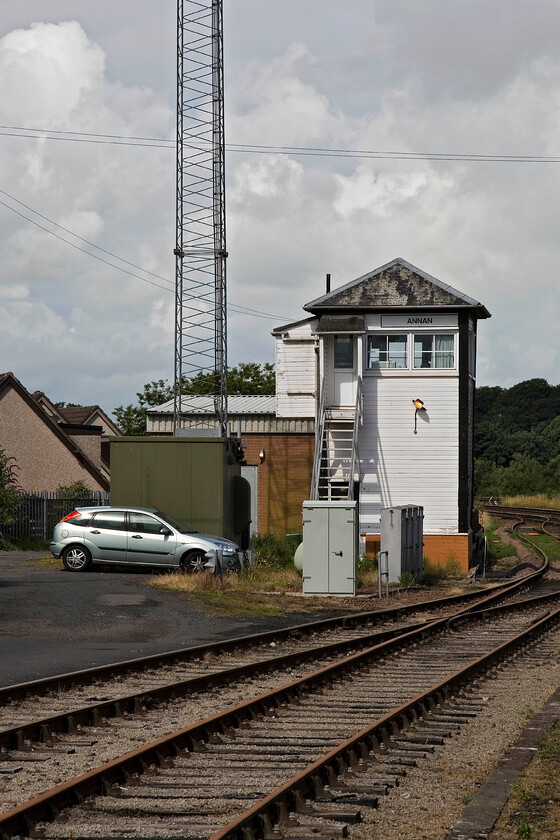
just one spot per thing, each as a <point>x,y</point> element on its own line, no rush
<point>165,531</point>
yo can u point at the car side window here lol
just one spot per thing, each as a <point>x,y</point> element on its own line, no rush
<point>82,520</point>
<point>109,520</point>
<point>143,523</point>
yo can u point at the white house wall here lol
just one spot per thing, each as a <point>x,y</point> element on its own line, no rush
<point>296,372</point>
<point>399,467</point>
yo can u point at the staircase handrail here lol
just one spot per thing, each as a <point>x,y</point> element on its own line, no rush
<point>319,431</point>
<point>358,420</point>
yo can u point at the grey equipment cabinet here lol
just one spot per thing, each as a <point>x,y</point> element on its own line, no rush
<point>330,556</point>
<point>402,539</point>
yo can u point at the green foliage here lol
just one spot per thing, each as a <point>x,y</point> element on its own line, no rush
<point>407,580</point>
<point>517,439</point>
<point>524,829</point>
<point>273,552</point>
<point>497,550</point>
<point>131,420</point>
<point>368,563</point>
<point>247,379</point>
<point>432,573</point>
<point>71,491</point>
<point>9,493</point>
<point>452,567</point>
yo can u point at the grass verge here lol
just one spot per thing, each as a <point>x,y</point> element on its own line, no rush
<point>549,545</point>
<point>533,810</point>
<point>537,501</point>
<point>253,593</point>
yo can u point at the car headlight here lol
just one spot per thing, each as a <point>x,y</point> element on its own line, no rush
<point>225,549</point>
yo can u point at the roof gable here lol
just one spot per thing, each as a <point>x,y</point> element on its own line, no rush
<point>397,284</point>
<point>8,380</point>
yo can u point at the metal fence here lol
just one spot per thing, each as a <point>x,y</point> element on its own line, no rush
<point>39,512</point>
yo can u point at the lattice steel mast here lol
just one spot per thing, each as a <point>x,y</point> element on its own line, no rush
<point>200,272</point>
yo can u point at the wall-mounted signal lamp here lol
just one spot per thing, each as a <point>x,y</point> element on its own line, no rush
<point>418,406</point>
<point>262,455</point>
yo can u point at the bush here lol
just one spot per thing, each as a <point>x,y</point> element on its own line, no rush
<point>9,493</point>
<point>76,488</point>
<point>274,552</point>
<point>432,573</point>
<point>407,580</point>
<point>453,567</point>
<point>367,563</point>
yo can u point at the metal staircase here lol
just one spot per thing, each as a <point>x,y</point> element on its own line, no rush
<point>336,464</point>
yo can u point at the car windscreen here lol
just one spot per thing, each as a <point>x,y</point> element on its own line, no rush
<point>179,526</point>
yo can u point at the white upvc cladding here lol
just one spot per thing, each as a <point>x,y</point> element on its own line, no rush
<point>296,372</point>
<point>397,466</point>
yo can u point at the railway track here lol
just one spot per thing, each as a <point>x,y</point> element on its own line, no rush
<point>53,707</point>
<point>543,517</point>
<point>407,664</point>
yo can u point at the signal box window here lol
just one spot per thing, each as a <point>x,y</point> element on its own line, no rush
<point>386,351</point>
<point>344,351</point>
<point>434,351</point>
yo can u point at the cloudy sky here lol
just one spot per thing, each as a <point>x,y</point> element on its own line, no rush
<point>454,78</point>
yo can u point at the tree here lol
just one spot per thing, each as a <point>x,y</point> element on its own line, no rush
<point>247,378</point>
<point>9,491</point>
<point>74,489</point>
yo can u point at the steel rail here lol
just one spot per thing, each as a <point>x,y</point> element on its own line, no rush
<point>43,730</point>
<point>261,820</point>
<point>136,703</point>
<point>21,819</point>
<point>87,676</point>
<point>529,513</point>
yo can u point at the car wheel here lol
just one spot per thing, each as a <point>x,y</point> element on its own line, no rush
<point>76,558</point>
<point>194,561</point>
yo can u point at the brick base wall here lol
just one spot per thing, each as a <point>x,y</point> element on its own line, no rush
<point>441,548</point>
<point>438,548</point>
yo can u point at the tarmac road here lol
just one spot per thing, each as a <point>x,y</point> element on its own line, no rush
<point>53,621</point>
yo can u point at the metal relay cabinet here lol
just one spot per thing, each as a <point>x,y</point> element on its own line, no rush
<point>330,556</point>
<point>401,542</point>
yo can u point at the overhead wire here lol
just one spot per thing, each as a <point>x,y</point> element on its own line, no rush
<point>253,148</point>
<point>159,142</point>
<point>233,307</point>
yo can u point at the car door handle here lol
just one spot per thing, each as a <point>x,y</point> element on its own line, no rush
<point>136,537</point>
<point>338,553</point>
<point>95,532</point>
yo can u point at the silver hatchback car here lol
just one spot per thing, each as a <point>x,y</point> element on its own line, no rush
<point>137,536</point>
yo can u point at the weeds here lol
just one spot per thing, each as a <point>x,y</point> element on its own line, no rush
<point>453,568</point>
<point>432,573</point>
<point>274,552</point>
<point>524,829</point>
<point>407,580</point>
<point>537,501</point>
<point>497,550</point>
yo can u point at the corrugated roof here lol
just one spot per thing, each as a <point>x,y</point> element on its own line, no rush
<point>260,404</point>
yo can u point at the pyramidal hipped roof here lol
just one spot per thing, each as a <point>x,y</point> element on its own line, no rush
<point>397,284</point>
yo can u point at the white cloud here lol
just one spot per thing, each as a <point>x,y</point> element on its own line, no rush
<point>388,75</point>
<point>16,292</point>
